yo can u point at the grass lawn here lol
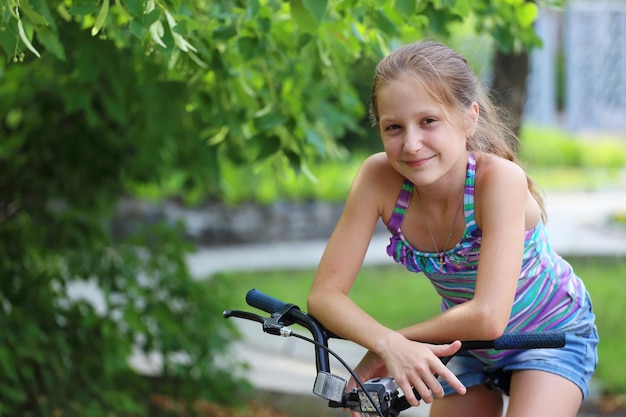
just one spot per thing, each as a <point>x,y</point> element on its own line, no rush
<point>398,298</point>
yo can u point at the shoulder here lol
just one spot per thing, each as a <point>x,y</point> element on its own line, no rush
<point>494,171</point>
<point>377,161</point>
<point>376,184</point>
<point>501,190</point>
<point>378,171</point>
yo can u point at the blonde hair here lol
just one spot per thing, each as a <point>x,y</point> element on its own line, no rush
<point>449,80</point>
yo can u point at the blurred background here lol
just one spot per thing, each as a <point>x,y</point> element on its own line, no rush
<point>160,158</point>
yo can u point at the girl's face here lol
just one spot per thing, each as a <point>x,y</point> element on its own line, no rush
<point>420,143</point>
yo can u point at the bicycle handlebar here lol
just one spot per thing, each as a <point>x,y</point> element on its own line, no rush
<point>285,314</point>
<point>288,314</point>
<point>264,302</point>
<point>271,305</point>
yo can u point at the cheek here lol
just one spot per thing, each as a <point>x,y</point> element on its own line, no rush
<point>392,146</point>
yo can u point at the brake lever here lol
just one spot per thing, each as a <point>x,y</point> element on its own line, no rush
<point>243,315</point>
<point>276,324</point>
<point>279,320</point>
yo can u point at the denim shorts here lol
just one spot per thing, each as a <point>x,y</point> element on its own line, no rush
<point>576,361</point>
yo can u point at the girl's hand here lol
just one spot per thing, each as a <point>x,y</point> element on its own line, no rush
<point>412,365</point>
<point>416,365</point>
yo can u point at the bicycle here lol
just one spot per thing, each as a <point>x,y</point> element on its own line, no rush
<point>379,395</point>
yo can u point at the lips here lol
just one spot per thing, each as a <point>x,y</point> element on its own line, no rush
<point>418,162</point>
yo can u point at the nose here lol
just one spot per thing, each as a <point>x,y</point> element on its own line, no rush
<point>412,141</point>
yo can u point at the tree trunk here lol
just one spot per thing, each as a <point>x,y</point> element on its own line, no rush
<point>509,85</point>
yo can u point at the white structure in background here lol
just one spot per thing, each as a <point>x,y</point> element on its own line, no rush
<point>541,101</point>
<point>591,34</point>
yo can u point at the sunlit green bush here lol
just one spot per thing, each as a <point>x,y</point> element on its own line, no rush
<point>551,147</point>
<point>329,181</point>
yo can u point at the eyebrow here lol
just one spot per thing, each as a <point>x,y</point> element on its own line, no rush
<point>427,112</point>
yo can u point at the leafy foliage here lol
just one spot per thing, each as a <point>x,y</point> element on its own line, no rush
<point>100,99</point>
<point>75,132</point>
<point>266,79</point>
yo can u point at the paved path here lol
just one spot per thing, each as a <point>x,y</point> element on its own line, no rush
<point>579,224</point>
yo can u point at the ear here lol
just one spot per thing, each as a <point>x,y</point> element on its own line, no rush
<point>472,119</point>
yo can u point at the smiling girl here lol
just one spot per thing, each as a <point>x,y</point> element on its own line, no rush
<point>461,210</point>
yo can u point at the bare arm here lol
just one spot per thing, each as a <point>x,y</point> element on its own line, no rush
<point>328,299</point>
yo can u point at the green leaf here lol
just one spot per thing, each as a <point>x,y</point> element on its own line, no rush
<point>527,14</point>
<point>303,40</point>
<point>406,7</point>
<point>135,7</point>
<point>137,29</point>
<point>313,137</point>
<point>462,7</point>
<point>152,17</point>
<point>181,28</point>
<point>268,147</point>
<point>8,368</point>
<point>192,24</point>
<point>234,153</point>
<point>303,18</point>
<point>295,160</point>
<point>317,8</point>
<point>252,9</point>
<point>83,9</point>
<point>249,47</point>
<point>50,40</point>
<point>8,39</point>
<point>34,17</point>
<point>219,136</point>
<point>384,23</point>
<point>42,8</point>
<point>225,32</point>
<point>269,121</point>
<point>264,24</point>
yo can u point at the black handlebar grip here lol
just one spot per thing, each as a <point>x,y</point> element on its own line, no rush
<point>529,341</point>
<point>264,302</point>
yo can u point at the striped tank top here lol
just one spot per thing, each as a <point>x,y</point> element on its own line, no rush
<point>548,295</point>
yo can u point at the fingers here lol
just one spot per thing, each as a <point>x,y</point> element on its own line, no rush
<point>422,375</point>
<point>425,385</point>
<point>447,349</point>
<point>444,372</point>
<point>409,391</point>
<point>448,376</point>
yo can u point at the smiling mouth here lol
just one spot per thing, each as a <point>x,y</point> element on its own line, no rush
<point>418,162</point>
